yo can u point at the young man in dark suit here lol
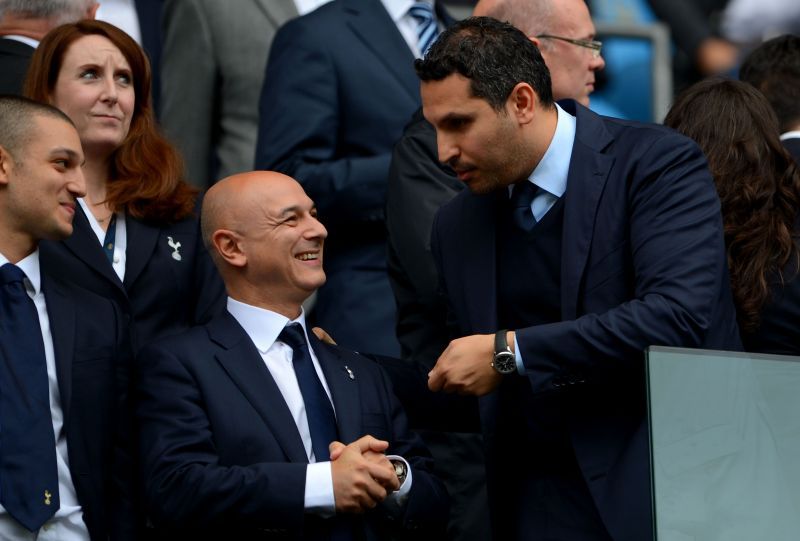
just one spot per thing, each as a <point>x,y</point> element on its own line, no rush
<point>580,242</point>
<point>65,468</point>
<point>249,425</point>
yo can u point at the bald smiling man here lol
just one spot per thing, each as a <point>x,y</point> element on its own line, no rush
<point>250,426</point>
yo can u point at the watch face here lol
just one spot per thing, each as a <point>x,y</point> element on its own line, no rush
<point>505,362</point>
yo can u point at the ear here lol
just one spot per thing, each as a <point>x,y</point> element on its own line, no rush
<point>522,103</point>
<point>6,166</point>
<point>229,247</point>
<point>91,12</point>
<point>536,41</point>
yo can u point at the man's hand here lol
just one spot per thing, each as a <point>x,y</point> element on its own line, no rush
<point>362,475</point>
<point>323,335</point>
<point>465,367</point>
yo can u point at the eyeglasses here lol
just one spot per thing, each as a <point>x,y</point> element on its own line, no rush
<point>594,45</point>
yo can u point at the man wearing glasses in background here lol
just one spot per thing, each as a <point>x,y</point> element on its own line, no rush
<point>418,186</point>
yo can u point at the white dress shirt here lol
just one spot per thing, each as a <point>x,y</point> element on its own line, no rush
<point>406,24</point>
<point>307,6</point>
<point>23,39</point>
<point>67,523</point>
<point>550,175</point>
<point>263,327</point>
<point>122,14</point>
<point>790,135</point>
<point>120,238</point>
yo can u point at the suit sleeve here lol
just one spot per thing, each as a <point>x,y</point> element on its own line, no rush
<point>679,275</point>
<point>184,481</point>
<point>688,22</point>
<point>418,185</point>
<point>126,518</point>
<point>427,505</point>
<point>299,130</point>
<point>188,86</point>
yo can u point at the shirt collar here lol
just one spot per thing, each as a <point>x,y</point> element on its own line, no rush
<point>23,39</point>
<point>790,135</point>
<point>552,171</point>
<point>261,325</point>
<point>30,266</point>
<point>398,9</point>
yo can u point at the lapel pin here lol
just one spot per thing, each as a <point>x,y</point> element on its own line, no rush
<point>174,245</point>
<point>349,372</point>
<point>47,497</point>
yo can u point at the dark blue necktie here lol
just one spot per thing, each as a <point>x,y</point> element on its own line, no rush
<point>28,469</point>
<point>522,197</point>
<point>319,411</point>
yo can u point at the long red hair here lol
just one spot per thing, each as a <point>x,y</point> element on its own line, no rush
<point>146,177</point>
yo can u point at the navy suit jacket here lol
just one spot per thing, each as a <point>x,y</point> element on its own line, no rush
<point>221,451</point>
<point>14,59</point>
<point>339,87</point>
<point>160,294</point>
<point>93,356</point>
<point>643,263</point>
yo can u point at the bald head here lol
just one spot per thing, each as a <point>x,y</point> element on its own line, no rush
<point>533,17</point>
<point>571,66</point>
<point>262,232</point>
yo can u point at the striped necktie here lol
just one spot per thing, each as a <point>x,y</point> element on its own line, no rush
<point>427,27</point>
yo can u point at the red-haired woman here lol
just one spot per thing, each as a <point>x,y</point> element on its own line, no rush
<point>137,237</point>
<point>759,186</point>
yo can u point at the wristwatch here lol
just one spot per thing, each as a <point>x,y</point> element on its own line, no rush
<point>504,360</point>
<point>400,470</point>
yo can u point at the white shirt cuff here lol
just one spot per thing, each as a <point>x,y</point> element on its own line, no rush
<point>398,498</point>
<point>319,499</point>
<point>518,357</point>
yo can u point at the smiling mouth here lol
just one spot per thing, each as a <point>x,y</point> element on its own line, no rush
<point>307,256</point>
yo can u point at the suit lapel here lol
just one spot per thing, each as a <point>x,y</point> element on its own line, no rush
<point>61,313</point>
<point>370,22</point>
<point>242,362</point>
<point>84,244</point>
<point>344,391</point>
<point>588,172</point>
<point>479,257</point>
<point>277,11</point>
<point>142,240</point>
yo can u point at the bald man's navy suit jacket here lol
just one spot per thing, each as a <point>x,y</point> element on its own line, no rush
<point>222,455</point>
<point>643,263</point>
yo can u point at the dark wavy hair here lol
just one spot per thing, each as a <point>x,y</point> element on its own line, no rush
<point>493,55</point>
<point>146,177</point>
<point>757,180</point>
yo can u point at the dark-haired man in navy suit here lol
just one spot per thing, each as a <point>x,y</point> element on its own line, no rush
<point>581,241</point>
<point>65,468</point>
<point>249,425</point>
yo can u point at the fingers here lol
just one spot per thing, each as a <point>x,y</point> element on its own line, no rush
<point>323,336</point>
<point>336,448</point>
<point>369,443</point>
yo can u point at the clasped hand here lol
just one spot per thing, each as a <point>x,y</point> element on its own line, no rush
<point>362,475</point>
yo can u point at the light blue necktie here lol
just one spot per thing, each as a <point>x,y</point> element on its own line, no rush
<point>427,28</point>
